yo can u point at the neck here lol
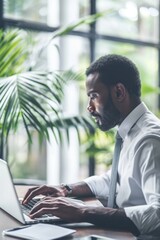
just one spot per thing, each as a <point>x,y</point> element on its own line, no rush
<point>134,102</point>
<point>129,106</point>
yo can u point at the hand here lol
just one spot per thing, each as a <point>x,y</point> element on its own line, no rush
<point>44,190</point>
<point>67,209</point>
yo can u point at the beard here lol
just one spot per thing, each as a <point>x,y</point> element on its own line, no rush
<point>108,117</point>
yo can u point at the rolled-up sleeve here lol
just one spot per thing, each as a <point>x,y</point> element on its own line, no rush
<point>146,218</point>
<point>99,185</point>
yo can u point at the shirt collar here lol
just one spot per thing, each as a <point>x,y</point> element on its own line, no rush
<point>131,119</point>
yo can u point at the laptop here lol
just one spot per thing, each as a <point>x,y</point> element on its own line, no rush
<point>10,203</point>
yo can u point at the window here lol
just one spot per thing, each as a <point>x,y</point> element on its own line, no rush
<point>129,27</point>
<point>137,19</point>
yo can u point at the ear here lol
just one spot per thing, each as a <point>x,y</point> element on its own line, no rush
<point>119,92</point>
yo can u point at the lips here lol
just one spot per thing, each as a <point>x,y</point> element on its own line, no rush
<point>94,115</point>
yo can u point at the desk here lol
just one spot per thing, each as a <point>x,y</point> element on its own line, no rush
<point>7,221</point>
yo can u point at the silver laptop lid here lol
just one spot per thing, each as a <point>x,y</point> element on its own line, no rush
<point>8,200</point>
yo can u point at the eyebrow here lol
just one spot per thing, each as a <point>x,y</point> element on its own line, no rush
<point>90,92</point>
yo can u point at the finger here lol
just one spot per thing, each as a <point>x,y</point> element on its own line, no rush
<point>34,192</point>
<point>53,199</point>
<point>43,211</point>
<point>42,204</point>
<point>28,193</point>
<point>48,202</point>
<point>49,198</point>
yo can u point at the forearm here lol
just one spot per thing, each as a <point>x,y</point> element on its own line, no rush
<point>110,218</point>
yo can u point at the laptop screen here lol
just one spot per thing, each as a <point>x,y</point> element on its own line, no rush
<point>9,200</point>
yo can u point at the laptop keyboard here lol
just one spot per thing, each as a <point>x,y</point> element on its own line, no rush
<point>27,207</point>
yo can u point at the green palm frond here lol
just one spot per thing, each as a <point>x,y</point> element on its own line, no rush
<point>84,20</point>
<point>64,30</point>
<point>35,99</point>
<point>75,122</point>
<point>32,97</point>
<point>12,52</point>
<point>71,75</point>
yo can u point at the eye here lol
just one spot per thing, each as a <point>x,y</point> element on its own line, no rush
<point>93,96</point>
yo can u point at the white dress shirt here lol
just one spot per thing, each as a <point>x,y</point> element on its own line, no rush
<point>138,191</point>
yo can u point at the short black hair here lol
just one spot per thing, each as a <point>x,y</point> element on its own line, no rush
<point>113,68</point>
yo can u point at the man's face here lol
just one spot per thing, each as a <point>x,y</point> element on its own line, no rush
<point>101,105</point>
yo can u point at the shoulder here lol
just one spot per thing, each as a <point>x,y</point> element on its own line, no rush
<point>147,127</point>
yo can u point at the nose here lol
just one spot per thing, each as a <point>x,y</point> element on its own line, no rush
<point>90,107</point>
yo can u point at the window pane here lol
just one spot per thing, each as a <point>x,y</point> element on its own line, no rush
<point>42,52</point>
<point>137,19</point>
<point>74,53</point>
<point>26,162</point>
<point>71,11</point>
<point>29,10</point>
<point>51,12</point>
<point>58,54</point>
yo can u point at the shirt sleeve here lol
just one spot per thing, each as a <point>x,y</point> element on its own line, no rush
<point>99,185</point>
<point>147,217</point>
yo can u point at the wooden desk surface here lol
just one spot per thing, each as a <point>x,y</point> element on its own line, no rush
<point>7,221</point>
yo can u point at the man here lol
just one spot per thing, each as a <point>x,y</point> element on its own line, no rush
<point>113,87</point>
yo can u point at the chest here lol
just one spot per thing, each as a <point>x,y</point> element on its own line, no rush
<point>128,167</point>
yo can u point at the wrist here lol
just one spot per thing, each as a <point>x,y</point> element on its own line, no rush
<point>67,190</point>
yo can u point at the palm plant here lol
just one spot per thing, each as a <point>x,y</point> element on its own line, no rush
<point>33,98</point>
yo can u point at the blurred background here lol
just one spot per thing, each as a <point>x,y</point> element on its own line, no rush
<point>130,28</point>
